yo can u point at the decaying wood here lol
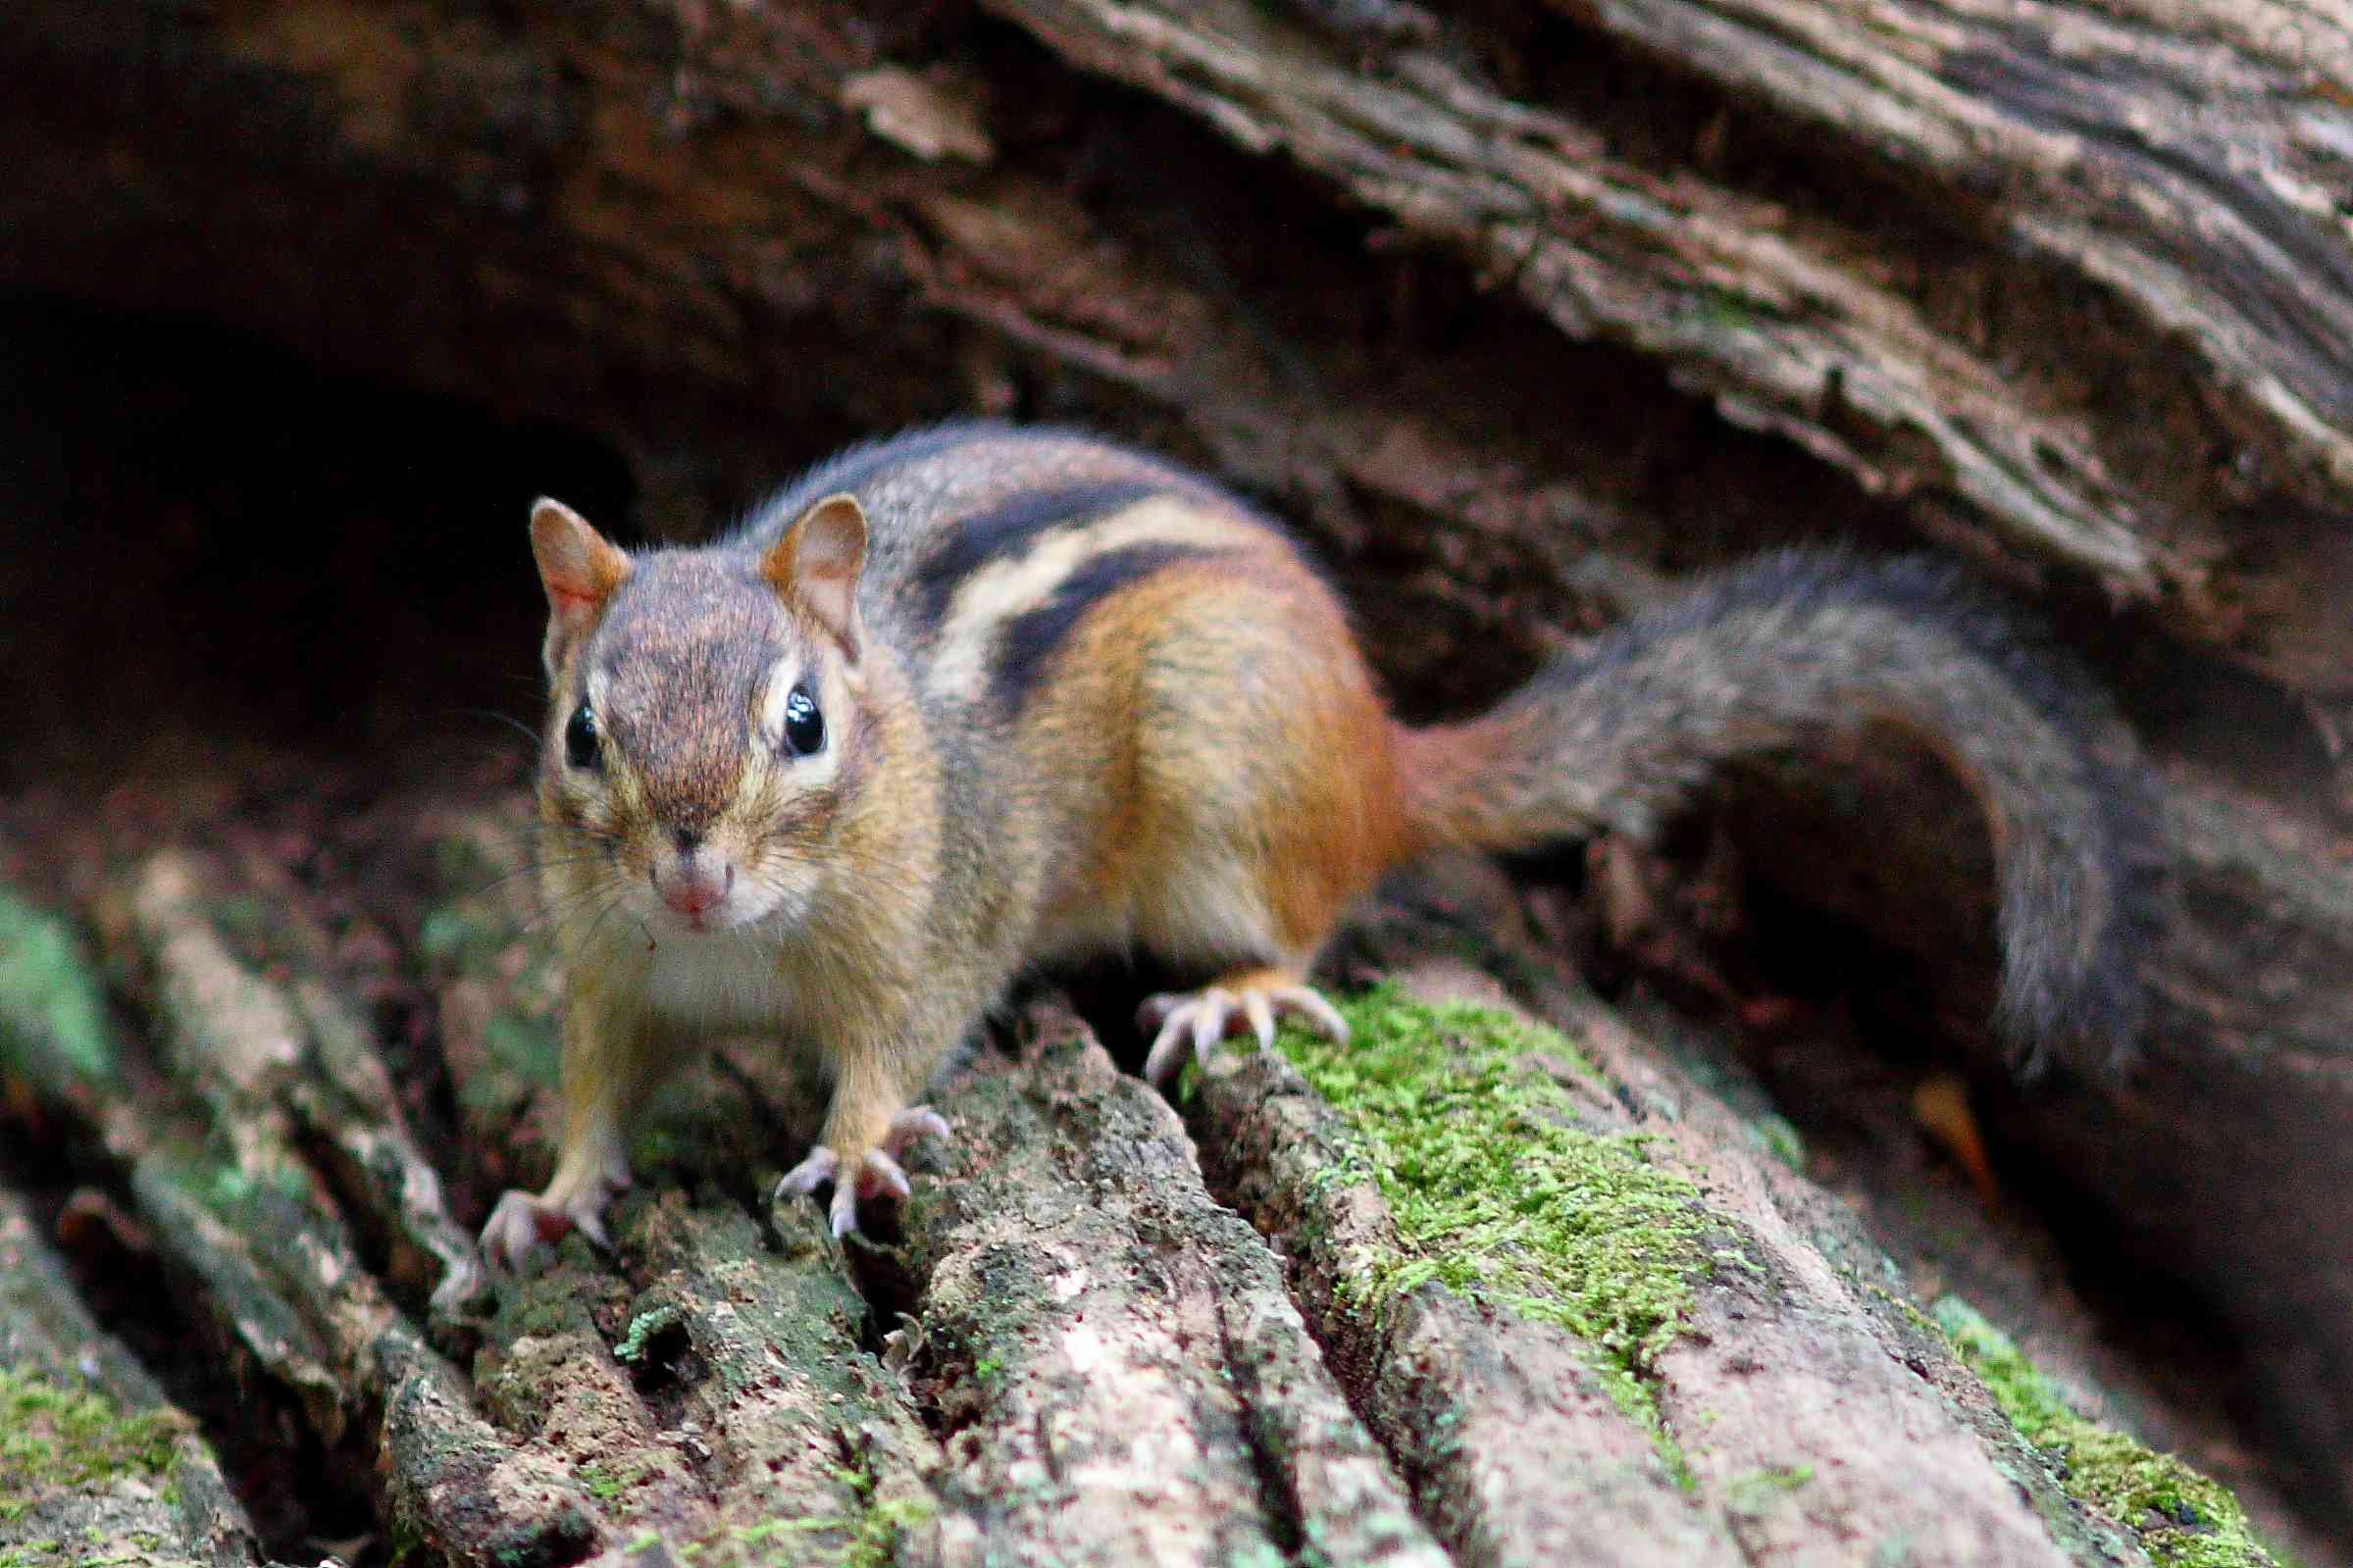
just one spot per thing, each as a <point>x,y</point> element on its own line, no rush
<point>1086,1358</point>
<point>1791,1361</point>
<point>126,1477</point>
<point>1500,315</point>
<point>2165,174</point>
<point>1512,1444</point>
<point>2190,159</point>
<point>1129,1378</point>
<point>245,1215</point>
<point>1096,1361</point>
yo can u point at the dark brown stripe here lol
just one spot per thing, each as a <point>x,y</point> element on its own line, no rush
<point>1010,527</point>
<point>1029,640</point>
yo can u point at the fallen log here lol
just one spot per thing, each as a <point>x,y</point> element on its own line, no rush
<point>1769,1399</point>
<point>1091,1359</point>
<point>1127,1379</point>
<point>1501,315</point>
<point>93,1452</point>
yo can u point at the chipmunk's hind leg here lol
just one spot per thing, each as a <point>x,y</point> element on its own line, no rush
<point>1252,999</point>
<point>1270,799</point>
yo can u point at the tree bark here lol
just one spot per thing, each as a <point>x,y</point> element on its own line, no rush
<point>97,1455</point>
<point>1095,1361</point>
<point>1518,314</point>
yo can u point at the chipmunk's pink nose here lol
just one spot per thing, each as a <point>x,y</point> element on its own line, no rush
<point>691,897</point>
<point>694,890</point>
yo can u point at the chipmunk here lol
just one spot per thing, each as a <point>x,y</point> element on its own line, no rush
<point>978,697</point>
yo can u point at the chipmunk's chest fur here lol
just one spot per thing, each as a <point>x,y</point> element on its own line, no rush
<point>720,981</point>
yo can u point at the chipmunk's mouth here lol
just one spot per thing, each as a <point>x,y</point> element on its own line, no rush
<point>709,921</point>
<point>698,890</point>
<point>738,906</point>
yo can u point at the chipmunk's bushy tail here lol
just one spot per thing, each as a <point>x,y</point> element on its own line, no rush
<point>1761,658</point>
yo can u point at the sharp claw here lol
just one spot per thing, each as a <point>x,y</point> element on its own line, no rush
<point>1166,1048</point>
<point>1261,1018</point>
<point>1208,1022</point>
<point>810,1174</point>
<point>916,1121</point>
<point>1319,1014</point>
<point>1209,1016</point>
<point>524,1222</point>
<point>498,1242</point>
<point>875,1173</point>
<point>885,1175</point>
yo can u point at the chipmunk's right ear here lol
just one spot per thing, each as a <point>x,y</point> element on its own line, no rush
<point>817,561</point>
<point>578,567</point>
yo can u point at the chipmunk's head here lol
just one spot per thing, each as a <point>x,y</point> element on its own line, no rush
<point>705,727</point>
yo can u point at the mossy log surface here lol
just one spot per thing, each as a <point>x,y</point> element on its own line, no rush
<point>1565,1314</point>
<point>1772,1393</point>
<point>1518,314</point>
<point>95,1463</point>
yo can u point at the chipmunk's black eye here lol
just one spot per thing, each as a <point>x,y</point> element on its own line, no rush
<point>580,738</point>
<point>804,726</point>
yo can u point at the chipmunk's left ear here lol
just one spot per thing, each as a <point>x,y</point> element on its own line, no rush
<point>578,567</point>
<point>816,564</point>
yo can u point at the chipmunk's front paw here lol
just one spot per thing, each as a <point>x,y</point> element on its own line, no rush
<point>878,1169</point>
<point>523,1221</point>
<point>1204,1017</point>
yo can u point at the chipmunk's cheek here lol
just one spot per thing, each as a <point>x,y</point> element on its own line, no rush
<point>750,903</point>
<point>776,890</point>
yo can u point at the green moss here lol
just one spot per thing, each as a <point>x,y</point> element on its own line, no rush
<point>542,1307</point>
<point>645,1328</point>
<point>51,1435</point>
<point>866,1537</point>
<point>870,1536</point>
<point>606,1485</point>
<point>1778,1138</point>
<point>1754,1492</point>
<point>52,1019</point>
<point>2183,1520</point>
<point>768,1529</point>
<point>875,1540</point>
<point>1499,1194</point>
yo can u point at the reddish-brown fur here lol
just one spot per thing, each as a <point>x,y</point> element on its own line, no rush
<point>1079,701</point>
